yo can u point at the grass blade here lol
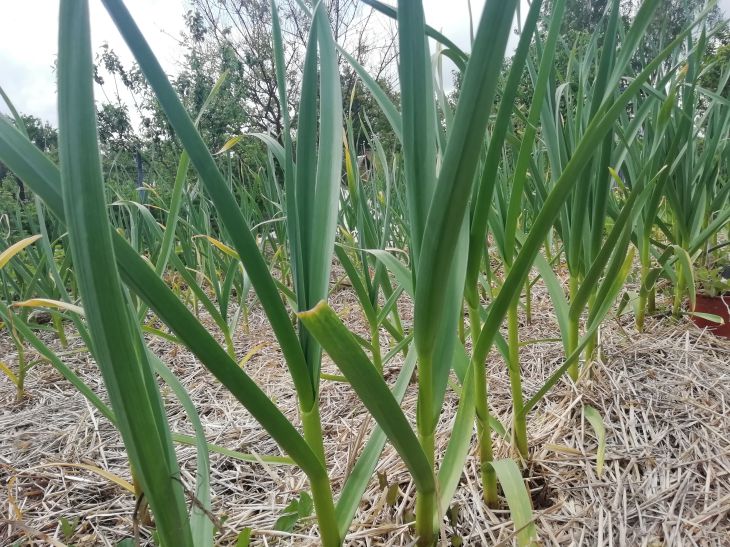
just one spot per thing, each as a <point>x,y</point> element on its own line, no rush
<point>15,248</point>
<point>369,385</point>
<point>518,499</point>
<point>225,203</point>
<point>594,417</point>
<point>118,345</point>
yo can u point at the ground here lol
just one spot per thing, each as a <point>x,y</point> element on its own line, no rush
<point>664,396</point>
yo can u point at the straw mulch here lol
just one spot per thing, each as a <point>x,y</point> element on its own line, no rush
<point>664,397</point>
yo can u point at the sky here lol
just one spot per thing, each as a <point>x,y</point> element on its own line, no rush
<point>28,41</point>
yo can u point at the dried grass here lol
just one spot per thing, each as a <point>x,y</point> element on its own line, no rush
<point>664,396</point>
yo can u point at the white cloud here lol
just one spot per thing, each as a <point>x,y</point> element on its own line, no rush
<point>29,36</point>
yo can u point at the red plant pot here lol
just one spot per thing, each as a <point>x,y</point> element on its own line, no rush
<point>716,305</point>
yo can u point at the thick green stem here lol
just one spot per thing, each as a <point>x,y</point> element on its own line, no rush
<point>589,352</point>
<point>548,249</point>
<point>651,304</point>
<point>229,343</point>
<point>22,363</point>
<point>22,371</point>
<point>324,505</point>
<point>643,290</point>
<point>484,431</point>
<point>426,501</point>
<point>678,291</point>
<point>573,332</point>
<point>58,325</point>
<point>519,423</point>
<point>641,311</point>
<point>325,510</point>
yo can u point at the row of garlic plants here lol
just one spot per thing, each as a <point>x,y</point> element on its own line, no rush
<point>607,158</point>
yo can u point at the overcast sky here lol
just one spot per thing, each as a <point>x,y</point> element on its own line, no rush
<point>28,41</point>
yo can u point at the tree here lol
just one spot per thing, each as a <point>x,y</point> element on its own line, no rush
<point>580,15</point>
<point>668,21</point>
<point>41,133</point>
<point>716,63</point>
<point>244,28</point>
<point>202,64</point>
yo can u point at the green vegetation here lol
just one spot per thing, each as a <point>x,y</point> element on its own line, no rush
<point>560,162</point>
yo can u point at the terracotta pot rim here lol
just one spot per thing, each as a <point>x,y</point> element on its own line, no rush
<point>709,297</point>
